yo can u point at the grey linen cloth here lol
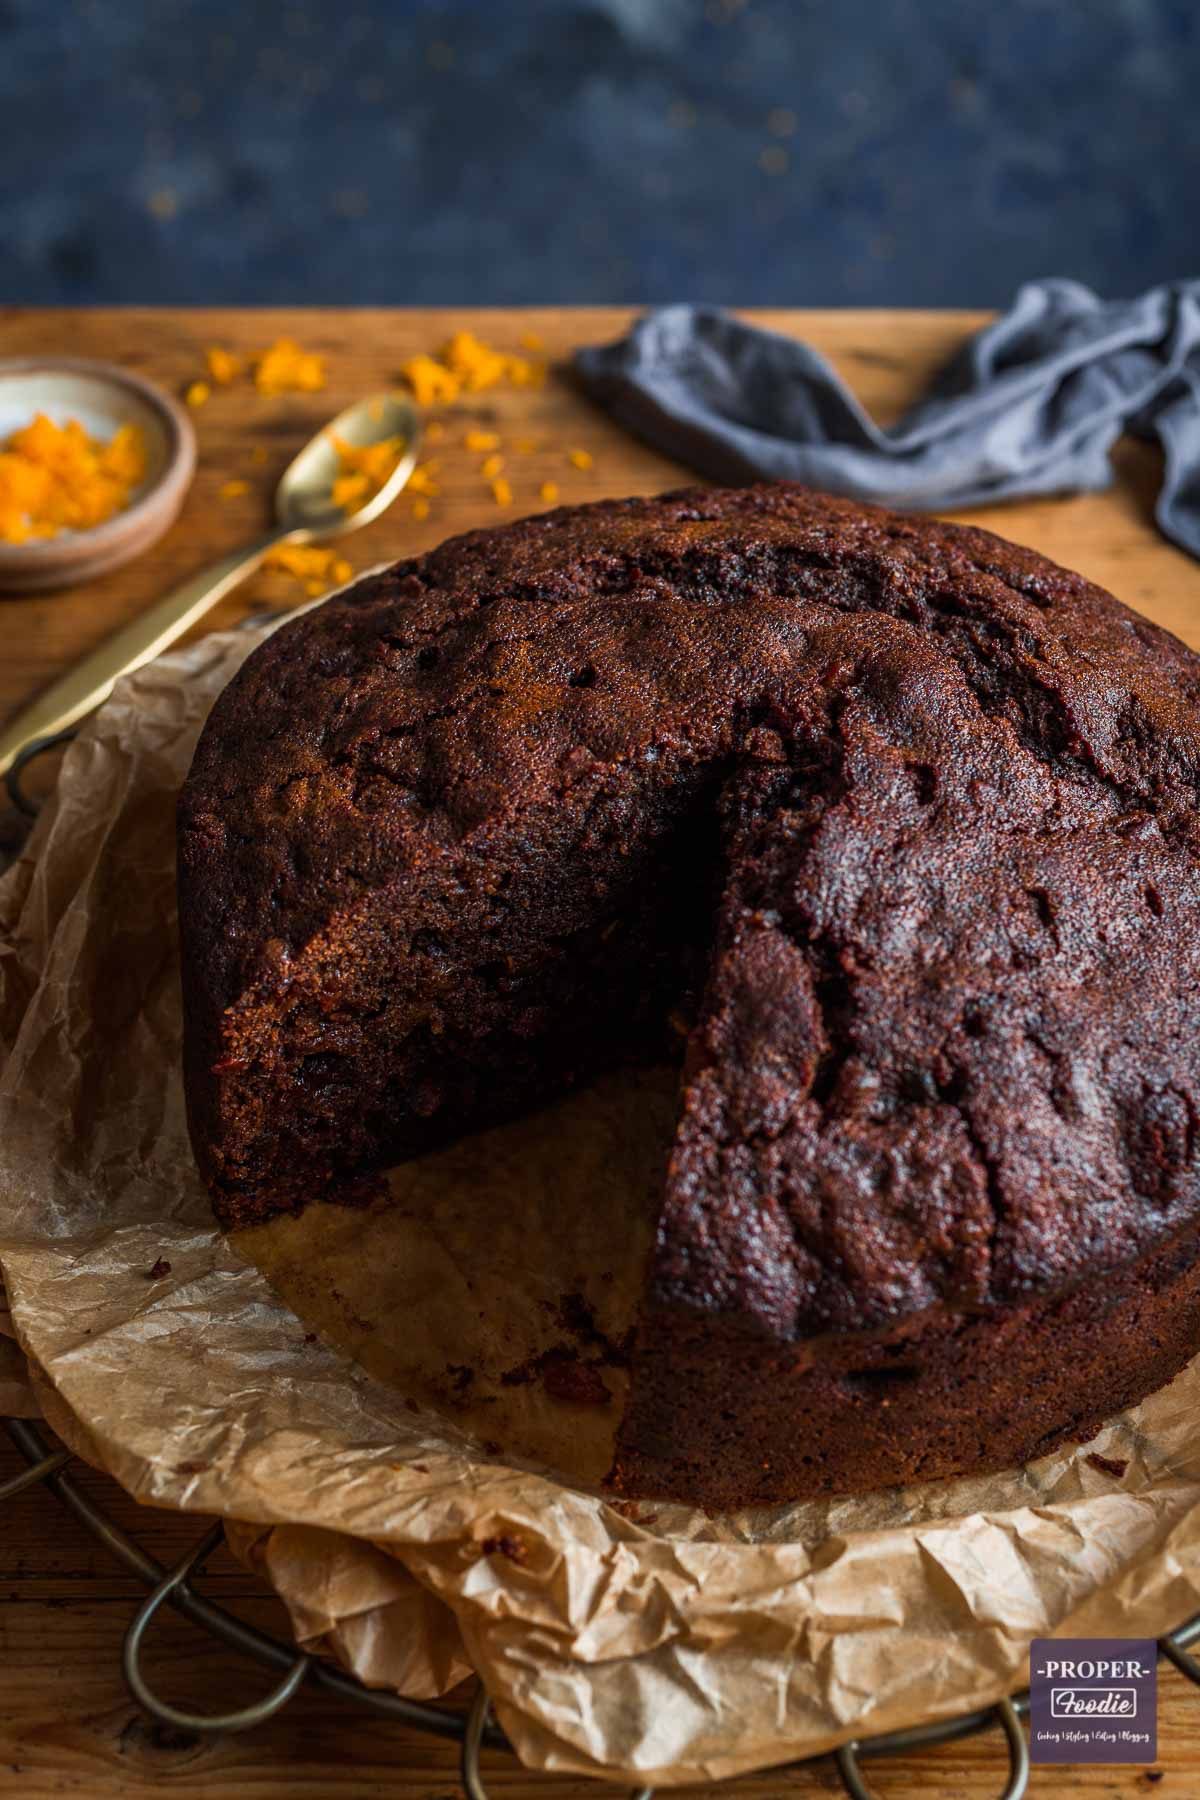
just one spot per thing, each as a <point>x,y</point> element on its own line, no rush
<point>1031,405</point>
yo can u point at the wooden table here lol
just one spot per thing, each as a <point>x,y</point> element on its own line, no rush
<point>67,1724</point>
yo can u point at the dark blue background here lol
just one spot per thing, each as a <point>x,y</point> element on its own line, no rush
<point>793,151</point>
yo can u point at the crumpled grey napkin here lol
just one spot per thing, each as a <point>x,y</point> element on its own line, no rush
<point>1031,405</point>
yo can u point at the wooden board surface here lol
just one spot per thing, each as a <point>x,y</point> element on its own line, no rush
<point>67,1724</point>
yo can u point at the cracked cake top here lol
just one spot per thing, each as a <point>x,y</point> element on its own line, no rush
<point>943,1048</point>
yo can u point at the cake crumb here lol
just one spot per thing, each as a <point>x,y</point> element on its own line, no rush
<point>515,1548</point>
<point>564,1376</point>
<point>1108,1465</point>
<point>631,1510</point>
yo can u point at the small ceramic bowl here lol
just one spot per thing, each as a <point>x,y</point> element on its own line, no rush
<point>102,397</point>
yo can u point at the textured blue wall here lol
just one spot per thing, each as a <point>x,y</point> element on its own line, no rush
<point>850,152</point>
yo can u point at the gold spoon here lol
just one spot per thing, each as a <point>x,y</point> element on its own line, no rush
<point>305,514</point>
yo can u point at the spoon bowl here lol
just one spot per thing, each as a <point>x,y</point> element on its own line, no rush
<point>304,498</point>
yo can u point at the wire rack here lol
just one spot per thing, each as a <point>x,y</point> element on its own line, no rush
<point>48,1465</point>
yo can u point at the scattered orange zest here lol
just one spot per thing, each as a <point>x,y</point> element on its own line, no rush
<point>430,381</point>
<point>421,480</point>
<point>466,365</point>
<point>285,369</point>
<point>223,365</point>
<point>317,567</point>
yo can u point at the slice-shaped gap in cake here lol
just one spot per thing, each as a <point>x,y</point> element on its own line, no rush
<point>512,978</point>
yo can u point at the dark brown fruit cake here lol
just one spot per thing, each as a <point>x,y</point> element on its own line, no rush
<point>903,817</point>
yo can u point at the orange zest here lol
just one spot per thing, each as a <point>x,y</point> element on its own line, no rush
<point>56,478</point>
<point>285,368</point>
<point>317,567</point>
<point>363,468</point>
<point>466,365</point>
<point>421,481</point>
<point>223,365</point>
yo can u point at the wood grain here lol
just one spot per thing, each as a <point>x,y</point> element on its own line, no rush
<point>67,1725</point>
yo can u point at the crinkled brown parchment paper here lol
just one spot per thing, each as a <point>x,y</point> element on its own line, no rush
<point>390,1422</point>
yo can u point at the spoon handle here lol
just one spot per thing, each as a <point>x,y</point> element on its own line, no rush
<point>91,681</point>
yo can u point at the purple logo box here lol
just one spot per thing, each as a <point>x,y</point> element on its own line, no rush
<point>1093,1700</point>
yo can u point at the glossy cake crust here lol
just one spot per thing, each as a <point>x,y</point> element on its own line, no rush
<point>900,817</point>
